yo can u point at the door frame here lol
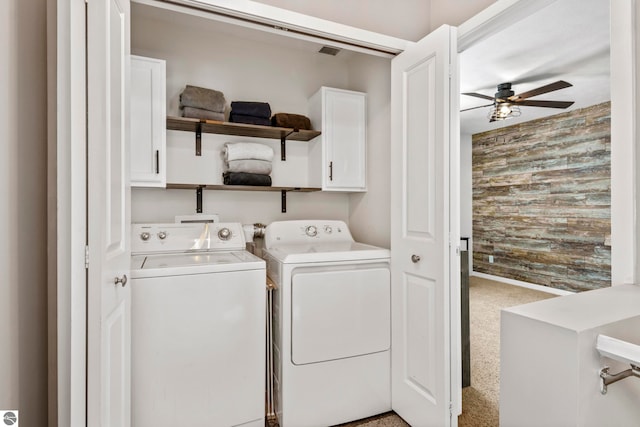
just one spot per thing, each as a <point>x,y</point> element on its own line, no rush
<point>67,218</point>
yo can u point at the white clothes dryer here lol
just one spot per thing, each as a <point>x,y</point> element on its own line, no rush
<point>198,327</point>
<point>332,324</point>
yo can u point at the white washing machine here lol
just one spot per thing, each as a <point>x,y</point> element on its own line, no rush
<point>198,327</point>
<point>331,324</point>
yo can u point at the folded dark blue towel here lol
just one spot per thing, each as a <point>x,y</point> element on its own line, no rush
<point>252,120</point>
<point>257,109</point>
<point>243,178</point>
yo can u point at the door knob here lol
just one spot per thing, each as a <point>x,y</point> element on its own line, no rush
<point>415,258</point>
<point>120,280</point>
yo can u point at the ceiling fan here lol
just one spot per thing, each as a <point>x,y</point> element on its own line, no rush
<point>507,104</point>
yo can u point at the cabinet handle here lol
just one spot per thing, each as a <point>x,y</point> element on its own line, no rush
<point>157,162</point>
<point>330,171</point>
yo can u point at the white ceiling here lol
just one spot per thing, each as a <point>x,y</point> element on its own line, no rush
<point>567,40</point>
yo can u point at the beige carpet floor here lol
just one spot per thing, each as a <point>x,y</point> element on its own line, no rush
<point>480,401</point>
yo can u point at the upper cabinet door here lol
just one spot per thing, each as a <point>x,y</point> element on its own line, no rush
<point>109,207</point>
<point>338,157</point>
<point>148,122</point>
<point>421,118</point>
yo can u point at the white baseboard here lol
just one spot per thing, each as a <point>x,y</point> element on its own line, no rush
<point>521,284</point>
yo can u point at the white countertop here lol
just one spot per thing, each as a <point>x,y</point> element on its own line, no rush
<point>585,310</point>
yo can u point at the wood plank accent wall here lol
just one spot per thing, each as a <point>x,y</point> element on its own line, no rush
<point>542,200</point>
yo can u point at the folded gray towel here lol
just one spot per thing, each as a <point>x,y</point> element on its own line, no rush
<point>199,113</point>
<point>248,166</point>
<point>199,97</point>
<point>246,150</point>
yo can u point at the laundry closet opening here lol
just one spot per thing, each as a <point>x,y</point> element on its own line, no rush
<point>251,65</point>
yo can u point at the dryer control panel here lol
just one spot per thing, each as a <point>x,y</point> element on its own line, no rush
<point>305,231</point>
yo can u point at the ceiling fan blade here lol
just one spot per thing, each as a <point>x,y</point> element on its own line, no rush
<point>479,95</point>
<point>473,108</point>
<point>560,84</point>
<point>546,104</point>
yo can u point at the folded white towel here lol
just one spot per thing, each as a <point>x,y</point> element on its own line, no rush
<point>247,150</point>
<point>261,167</point>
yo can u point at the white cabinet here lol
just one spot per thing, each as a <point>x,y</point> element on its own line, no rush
<point>148,122</point>
<point>337,158</point>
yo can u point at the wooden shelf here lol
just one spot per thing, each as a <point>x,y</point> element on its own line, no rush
<point>239,129</point>
<point>283,191</point>
<point>241,188</point>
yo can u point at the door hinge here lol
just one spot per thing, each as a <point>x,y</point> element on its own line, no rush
<point>86,257</point>
<point>451,408</point>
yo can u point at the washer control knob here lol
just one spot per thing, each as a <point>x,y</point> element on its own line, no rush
<point>311,231</point>
<point>162,235</point>
<point>328,229</point>
<point>224,234</point>
<point>145,235</point>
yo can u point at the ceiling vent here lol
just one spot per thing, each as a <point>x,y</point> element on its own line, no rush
<point>328,50</point>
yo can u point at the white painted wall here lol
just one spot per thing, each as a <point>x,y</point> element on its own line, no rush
<point>23,261</point>
<point>9,366</point>
<point>454,12</point>
<point>244,67</point>
<point>624,216</point>
<point>407,20</point>
<point>466,193</point>
<point>369,213</point>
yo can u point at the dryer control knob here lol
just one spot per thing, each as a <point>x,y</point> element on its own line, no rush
<point>145,235</point>
<point>328,229</point>
<point>312,231</point>
<point>224,234</point>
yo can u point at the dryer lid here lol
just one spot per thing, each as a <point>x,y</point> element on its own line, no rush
<point>327,252</point>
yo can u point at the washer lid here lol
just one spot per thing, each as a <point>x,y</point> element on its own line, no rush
<point>194,263</point>
<point>327,252</point>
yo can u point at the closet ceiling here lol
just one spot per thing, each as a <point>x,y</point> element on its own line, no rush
<point>568,40</point>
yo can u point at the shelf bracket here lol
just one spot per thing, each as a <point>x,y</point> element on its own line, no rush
<point>283,144</point>
<point>199,200</point>
<point>283,200</point>
<point>198,139</point>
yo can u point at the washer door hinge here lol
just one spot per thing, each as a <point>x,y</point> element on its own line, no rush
<point>86,257</point>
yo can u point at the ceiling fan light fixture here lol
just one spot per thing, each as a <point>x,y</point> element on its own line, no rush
<point>503,111</point>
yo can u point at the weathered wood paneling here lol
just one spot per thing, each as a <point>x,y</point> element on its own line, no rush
<point>542,200</point>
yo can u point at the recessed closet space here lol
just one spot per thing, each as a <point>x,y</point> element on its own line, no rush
<point>247,64</point>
